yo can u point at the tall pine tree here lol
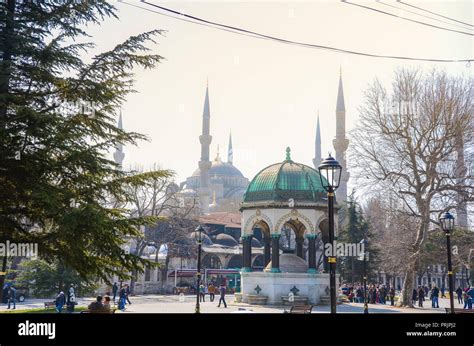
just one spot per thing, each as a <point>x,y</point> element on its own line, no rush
<point>57,124</point>
<point>357,229</point>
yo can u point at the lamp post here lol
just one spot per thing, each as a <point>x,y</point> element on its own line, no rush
<point>364,268</point>
<point>447,224</point>
<point>198,235</point>
<point>330,175</point>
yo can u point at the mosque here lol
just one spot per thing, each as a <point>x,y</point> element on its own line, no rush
<point>250,228</point>
<point>220,186</point>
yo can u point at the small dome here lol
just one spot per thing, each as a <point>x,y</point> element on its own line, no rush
<point>221,169</point>
<point>205,239</point>
<point>226,240</point>
<point>288,179</point>
<point>255,242</point>
<point>290,263</point>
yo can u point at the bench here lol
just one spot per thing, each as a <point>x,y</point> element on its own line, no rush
<point>301,309</point>
<point>297,300</point>
<point>112,311</point>
<point>460,311</point>
<point>49,305</point>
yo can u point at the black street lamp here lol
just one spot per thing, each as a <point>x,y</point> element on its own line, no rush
<point>364,278</point>
<point>447,224</point>
<point>198,235</point>
<point>330,175</point>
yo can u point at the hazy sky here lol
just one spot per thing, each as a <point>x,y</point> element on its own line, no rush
<point>267,93</point>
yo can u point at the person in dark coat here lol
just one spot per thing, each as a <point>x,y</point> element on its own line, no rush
<point>127,294</point>
<point>392,296</point>
<point>434,297</point>
<point>459,293</point>
<point>421,296</point>
<point>414,296</point>
<point>12,297</point>
<point>60,301</point>
<point>222,296</point>
<point>114,291</point>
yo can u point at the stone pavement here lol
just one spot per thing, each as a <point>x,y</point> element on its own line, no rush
<point>172,304</point>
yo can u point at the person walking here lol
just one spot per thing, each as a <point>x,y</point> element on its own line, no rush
<point>60,301</point>
<point>414,297</point>
<point>435,297</point>
<point>459,293</point>
<point>12,297</point>
<point>127,294</point>
<point>122,298</point>
<point>114,291</point>
<point>222,290</point>
<point>421,297</point>
<point>392,296</point>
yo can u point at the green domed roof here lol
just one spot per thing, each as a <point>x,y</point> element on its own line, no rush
<point>288,179</point>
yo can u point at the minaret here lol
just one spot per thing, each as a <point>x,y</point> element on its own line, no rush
<point>119,154</point>
<point>204,163</point>
<point>460,173</point>
<point>230,152</point>
<point>317,146</point>
<point>341,143</point>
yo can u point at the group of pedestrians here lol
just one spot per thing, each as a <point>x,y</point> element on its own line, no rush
<point>465,296</point>
<point>69,300</point>
<point>123,294</point>
<point>376,293</point>
<point>212,289</point>
<point>420,294</point>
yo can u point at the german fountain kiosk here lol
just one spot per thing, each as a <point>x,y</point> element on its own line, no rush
<point>285,195</point>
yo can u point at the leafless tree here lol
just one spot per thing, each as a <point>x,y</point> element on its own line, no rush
<point>406,143</point>
<point>159,198</point>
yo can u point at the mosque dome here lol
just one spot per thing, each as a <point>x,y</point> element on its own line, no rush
<point>205,238</point>
<point>226,240</point>
<point>288,179</point>
<point>220,169</point>
<point>290,263</point>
